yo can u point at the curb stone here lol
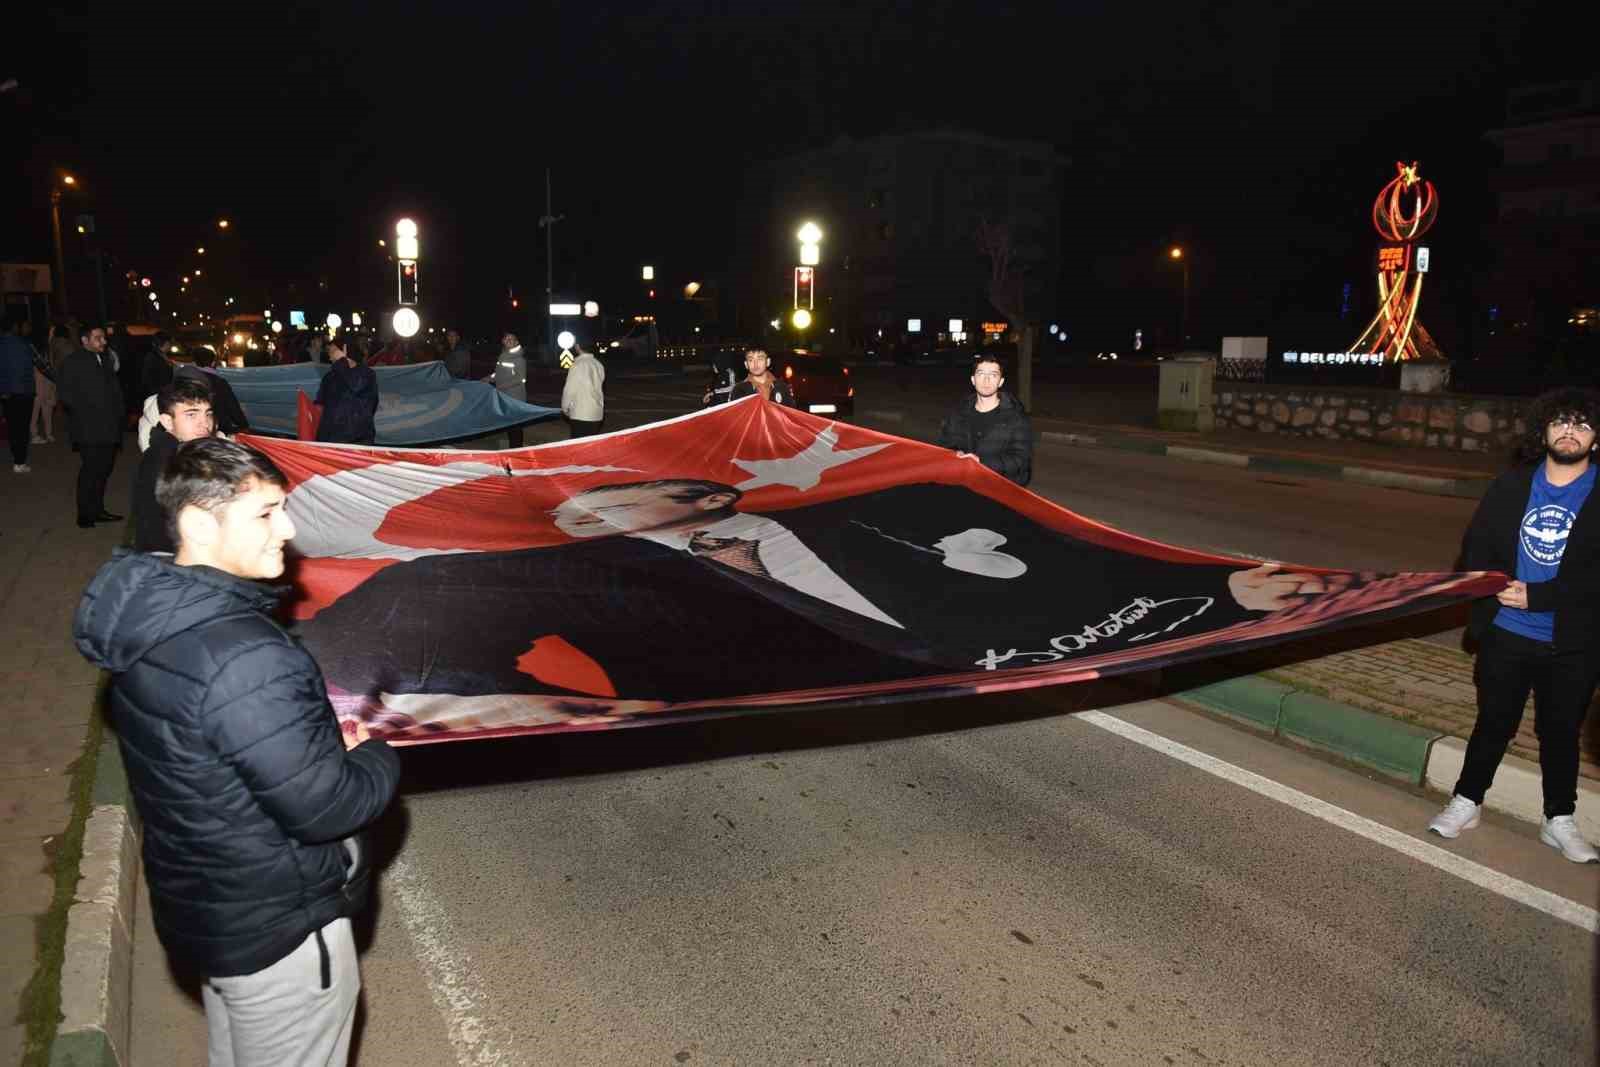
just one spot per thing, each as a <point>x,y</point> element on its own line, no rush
<point>1395,749</point>
<point>97,968</point>
<point>1467,488</point>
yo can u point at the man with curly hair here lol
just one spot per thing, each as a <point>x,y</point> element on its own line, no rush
<point>1541,633</point>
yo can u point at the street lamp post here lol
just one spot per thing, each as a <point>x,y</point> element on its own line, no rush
<point>55,230</point>
<point>547,222</point>
<point>1183,261</point>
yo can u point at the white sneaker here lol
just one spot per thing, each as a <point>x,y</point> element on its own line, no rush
<point>1562,833</point>
<point>1458,815</point>
<point>21,468</point>
<point>38,439</point>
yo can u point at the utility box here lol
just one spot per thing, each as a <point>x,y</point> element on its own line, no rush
<point>1184,399</point>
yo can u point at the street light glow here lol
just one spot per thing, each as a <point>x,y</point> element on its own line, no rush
<point>810,233</point>
<point>691,289</point>
<point>222,224</point>
<point>382,243</point>
<point>648,274</point>
<point>277,327</point>
<point>67,179</point>
<point>810,254</point>
<point>405,228</point>
<point>801,318</point>
<point>334,321</point>
<point>406,322</point>
<point>566,340</point>
<point>200,251</point>
<point>591,309</point>
<point>355,318</point>
<point>1176,253</point>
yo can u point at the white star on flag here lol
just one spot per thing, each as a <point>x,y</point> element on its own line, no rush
<point>802,470</point>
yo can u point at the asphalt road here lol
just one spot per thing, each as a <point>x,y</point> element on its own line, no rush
<point>986,880</point>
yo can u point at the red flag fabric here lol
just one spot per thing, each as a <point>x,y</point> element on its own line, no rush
<point>749,555</point>
<point>309,418</point>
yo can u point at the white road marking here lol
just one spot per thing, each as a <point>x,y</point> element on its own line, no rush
<point>451,975</point>
<point>1559,907</point>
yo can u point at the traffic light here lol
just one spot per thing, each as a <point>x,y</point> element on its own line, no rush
<point>408,283</point>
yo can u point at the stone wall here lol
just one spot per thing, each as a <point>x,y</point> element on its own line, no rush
<point>1387,416</point>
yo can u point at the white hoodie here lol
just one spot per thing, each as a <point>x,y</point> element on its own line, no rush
<point>582,398</point>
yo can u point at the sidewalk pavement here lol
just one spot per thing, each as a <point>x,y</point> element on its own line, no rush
<point>46,766</point>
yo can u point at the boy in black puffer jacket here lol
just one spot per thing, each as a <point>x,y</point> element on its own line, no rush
<point>250,800</point>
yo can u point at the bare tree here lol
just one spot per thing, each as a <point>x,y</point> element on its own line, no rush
<point>1006,293</point>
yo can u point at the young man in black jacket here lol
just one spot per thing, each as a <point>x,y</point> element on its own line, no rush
<point>250,797</point>
<point>990,426</point>
<point>185,407</point>
<point>1542,631</point>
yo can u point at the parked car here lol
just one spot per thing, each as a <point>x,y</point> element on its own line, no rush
<point>821,385</point>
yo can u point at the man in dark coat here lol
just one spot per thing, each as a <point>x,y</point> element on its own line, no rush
<point>250,799</point>
<point>348,396</point>
<point>990,426</point>
<point>185,415</point>
<point>1541,633</point>
<point>96,421</point>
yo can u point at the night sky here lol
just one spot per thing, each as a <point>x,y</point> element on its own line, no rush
<point>1256,134</point>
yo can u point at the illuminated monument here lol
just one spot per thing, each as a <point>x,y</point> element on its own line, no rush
<point>1403,212</point>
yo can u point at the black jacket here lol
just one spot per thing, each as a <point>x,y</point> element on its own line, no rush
<point>1005,445</point>
<point>149,523</point>
<point>235,762</point>
<point>780,392</point>
<point>92,395</point>
<point>349,399</point>
<point>1491,544</point>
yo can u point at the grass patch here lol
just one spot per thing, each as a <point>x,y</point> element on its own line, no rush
<point>40,1008</point>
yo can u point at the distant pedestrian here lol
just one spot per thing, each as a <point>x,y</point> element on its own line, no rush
<point>63,342</point>
<point>42,425</point>
<point>349,399</point>
<point>96,421</point>
<point>313,352</point>
<point>511,378</point>
<point>990,426</point>
<point>583,398</point>
<point>1541,633</point>
<point>457,357</point>
<point>185,407</point>
<point>156,370</point>
<point>17,392</point>
<point>251,795</point>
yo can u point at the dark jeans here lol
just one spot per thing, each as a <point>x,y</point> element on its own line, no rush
<point>1509,666</point>
<point>19,416</point>
<point>584,428</point>
<point>92,477</point>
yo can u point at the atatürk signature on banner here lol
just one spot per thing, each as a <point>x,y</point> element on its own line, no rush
<point>1113,625</point>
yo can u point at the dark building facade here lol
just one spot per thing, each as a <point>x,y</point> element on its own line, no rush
<point>900,216</point>
<point>1541,296</point>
